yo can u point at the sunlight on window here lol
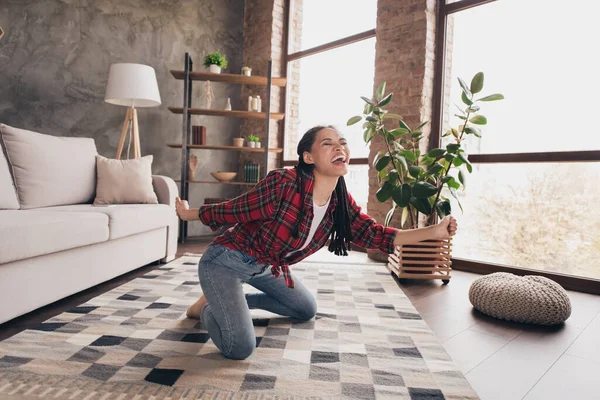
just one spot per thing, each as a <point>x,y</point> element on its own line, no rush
<point>330,87</point>
<point>325,21</point>
<point>545,64</point>
<point>539,216</point>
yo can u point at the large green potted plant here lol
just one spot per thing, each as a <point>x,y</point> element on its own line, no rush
<point>414,181</point>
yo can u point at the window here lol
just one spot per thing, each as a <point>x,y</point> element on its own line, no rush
<point>528,214</point>
<point>330,86</point>
<point>546,65</point>
<point>542,216</point>
<point>317,22</point>
<point>331,63</point>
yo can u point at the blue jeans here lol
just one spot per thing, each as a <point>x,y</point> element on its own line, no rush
<point>226,316</point>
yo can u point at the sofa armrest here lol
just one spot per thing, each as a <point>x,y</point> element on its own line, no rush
<point>166,189</point>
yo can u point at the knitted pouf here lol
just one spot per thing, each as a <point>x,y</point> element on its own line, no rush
<point>529,299</point>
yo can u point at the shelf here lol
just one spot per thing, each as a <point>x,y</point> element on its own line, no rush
<point>222,183</point>
<point>227,113</point>
<point>234,148</point>
<point>231,78</point>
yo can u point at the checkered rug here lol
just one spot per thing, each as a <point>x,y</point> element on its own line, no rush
<point>134,342</point>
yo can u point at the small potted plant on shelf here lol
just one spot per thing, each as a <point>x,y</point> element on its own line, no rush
<point>253,141</point>
<point>414,181</point>
<point>246,71</point>
<point>215,62</point>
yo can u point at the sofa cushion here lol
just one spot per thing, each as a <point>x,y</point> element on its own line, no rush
<point>124,181</point>
<point>50,170</point>
<point>29,233</point>
<point>125,219</point>
<point>8,195</point>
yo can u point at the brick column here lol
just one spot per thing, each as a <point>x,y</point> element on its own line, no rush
<point>263,40</point>
<point>404,58</point>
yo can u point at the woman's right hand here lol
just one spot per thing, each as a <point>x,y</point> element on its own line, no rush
<point>181,208</point>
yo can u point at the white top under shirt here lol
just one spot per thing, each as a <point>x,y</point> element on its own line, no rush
<point>318,215</point>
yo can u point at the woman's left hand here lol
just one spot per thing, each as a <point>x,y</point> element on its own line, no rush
<point>446,228</point>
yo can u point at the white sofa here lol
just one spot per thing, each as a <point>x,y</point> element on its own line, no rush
<point>53,241</point>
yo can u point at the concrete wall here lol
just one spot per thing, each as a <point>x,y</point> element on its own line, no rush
<point>54,62</point>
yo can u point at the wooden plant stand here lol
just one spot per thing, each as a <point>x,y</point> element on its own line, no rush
<point>429,259</point>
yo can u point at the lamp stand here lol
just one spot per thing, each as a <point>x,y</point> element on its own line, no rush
<point>131,120</point>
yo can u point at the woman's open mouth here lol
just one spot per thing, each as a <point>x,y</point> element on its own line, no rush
<point>339,160</point>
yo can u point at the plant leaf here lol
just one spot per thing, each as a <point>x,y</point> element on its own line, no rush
<point>469,168</point>
<point>465,99</point>
<point>353,120</point>
<point>385,100</point>
<point>479,120</point>
<point>461,117</point>
<point>368,101</point>
<point>384,192</point>
<point>423,189</point>
<point>437,152</point>
<point>457,162</point>
<point>380,91</point>
<point>492,97</point>
<point>404,216</point>
<point>421,204</point>
<point>455,195</point>
<point>477,83</point>
<point>402,162</point>
<point>415,170</point>
<point>472,130</point>
<point>395,116</point>
<point>382,163</point>
<point>403,125</point>
<point>453,147</point>
<point>399,131</point>
<point>372,119</point>
<point>409,155</point>
<point>401,195</point>
<point>393,176</point>
<point>422,125</point>
<point>463,156</point>
<point>461,177</point>
<point>381,175</point>
<point>368,135</point>
<point>389,216</point>
<point>426,161</point>
<point>465,88</point>
<point>449,157</point>
<point>435,168</point>
<point>473,109</point>
<point>443,208</point>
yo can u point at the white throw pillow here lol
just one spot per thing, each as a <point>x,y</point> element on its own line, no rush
<point>50,170</point>
<point>125,181</point>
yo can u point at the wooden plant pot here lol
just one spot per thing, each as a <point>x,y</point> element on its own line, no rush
<point>428,259</point>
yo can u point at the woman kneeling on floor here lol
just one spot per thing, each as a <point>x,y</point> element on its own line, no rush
<point>288,216</point>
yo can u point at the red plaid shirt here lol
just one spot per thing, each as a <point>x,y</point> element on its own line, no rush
<point>266,215</point>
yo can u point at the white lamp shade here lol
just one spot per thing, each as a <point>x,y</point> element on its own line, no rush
<point>132,85</point>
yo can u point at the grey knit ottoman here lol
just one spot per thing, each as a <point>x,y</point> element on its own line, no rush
<point>529,299</point>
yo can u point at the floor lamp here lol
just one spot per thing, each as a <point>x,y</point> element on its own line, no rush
<point>131,85</point>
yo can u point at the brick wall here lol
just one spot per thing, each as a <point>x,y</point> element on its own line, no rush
<point>293,88</point>
<point>404,59</point>
<point>263,40</point>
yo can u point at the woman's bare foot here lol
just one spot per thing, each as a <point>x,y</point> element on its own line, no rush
<point>194,310</point>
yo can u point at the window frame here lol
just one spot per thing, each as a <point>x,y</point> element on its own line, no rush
<point>571,282</point>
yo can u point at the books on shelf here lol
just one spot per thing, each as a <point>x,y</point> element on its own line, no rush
<point>251,172</point>
<point>198,134</point>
